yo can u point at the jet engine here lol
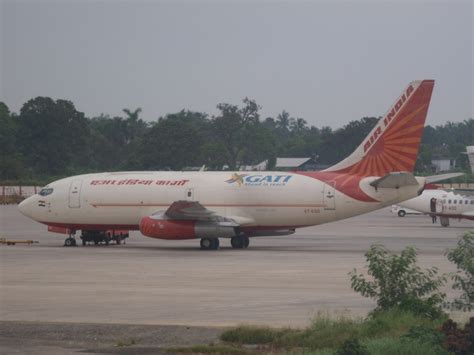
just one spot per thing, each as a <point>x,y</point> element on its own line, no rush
<point>162,228</point>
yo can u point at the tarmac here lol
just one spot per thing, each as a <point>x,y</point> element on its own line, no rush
<point>277,281</point>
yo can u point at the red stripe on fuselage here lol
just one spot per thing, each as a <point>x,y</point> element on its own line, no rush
<point>205,204</point>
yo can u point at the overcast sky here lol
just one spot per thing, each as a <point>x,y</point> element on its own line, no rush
<point>327,62</point>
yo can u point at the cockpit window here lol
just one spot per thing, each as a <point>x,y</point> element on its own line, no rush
<point>46,191</point>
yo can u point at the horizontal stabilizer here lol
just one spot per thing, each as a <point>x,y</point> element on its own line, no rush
<point>441,177</point>
<point>395,180</point>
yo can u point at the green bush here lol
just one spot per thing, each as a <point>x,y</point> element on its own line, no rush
<point>456,340</point>
<point>396,281</point>
<point>424,334</point>
<point>463,257</point>
<point>352,347</point>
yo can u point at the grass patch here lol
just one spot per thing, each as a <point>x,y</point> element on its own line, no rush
<point>247,334</point>
<point>208,349</point>
<point>330,333</point>
<point>394,346</point>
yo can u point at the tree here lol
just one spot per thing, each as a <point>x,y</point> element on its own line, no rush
<point>398,282</point>
<point>174,142</point>
<point>463,257</point>
<point>231,128</point>
<point>10,160</point>
<point>134,126</point>
<point>283,121</point>
<point>52,135</point>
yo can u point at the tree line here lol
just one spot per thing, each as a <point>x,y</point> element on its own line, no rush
<point>51,138</point>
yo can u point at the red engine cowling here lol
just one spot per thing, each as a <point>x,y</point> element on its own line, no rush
<point>167,229</point>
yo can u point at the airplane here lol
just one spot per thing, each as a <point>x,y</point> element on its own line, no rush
<point>444,203</point>
<point>238,205</point>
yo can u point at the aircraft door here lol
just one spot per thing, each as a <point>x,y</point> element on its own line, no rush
<point>439,206</point>
<point>330,195</point>
<point>433,205</point>
<point>75,194</point>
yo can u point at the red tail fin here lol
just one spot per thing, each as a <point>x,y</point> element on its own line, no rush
<point>393,143</point>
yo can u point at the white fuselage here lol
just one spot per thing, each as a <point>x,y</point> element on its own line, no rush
<point>445,203</point>
<point>269,200</point>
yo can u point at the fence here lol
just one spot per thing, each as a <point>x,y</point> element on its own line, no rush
<point>16,194</point>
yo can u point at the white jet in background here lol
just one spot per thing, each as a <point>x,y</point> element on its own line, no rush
<point>236,205</point>
<point>444,203</point>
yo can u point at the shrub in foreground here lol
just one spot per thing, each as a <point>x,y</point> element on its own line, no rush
<point>463,257</point>
<point>456,340</point>
<point>396,281</point>
<point>352,347</point>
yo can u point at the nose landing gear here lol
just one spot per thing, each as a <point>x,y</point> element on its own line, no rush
<point>70,241</point>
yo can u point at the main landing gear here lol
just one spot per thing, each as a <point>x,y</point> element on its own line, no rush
<point>240,242</point>
<point>210,243</point>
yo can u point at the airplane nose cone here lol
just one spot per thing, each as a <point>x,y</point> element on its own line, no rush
<point>26,207</point>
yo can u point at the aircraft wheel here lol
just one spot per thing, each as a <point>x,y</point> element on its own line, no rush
<point>210,243</point>
<point>69,242</point>
<point>206,243</point>
<point>246,242</point>
<point>401,213</point>
<point>84,243</point>
<point>237,242</point>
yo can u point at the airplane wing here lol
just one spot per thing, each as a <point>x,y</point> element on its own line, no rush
<point>395,180</point>
<point>192,210</point>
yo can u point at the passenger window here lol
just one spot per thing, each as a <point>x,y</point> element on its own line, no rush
<point>472,202</point>
<point>449,201</point>
<point>466,202</point>
<point>455,201</point>
<point>46,191</point>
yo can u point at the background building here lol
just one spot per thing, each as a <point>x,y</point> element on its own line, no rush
<point>443,164</point>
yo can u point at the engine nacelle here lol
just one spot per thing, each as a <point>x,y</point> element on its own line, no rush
<point>183,229</point>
